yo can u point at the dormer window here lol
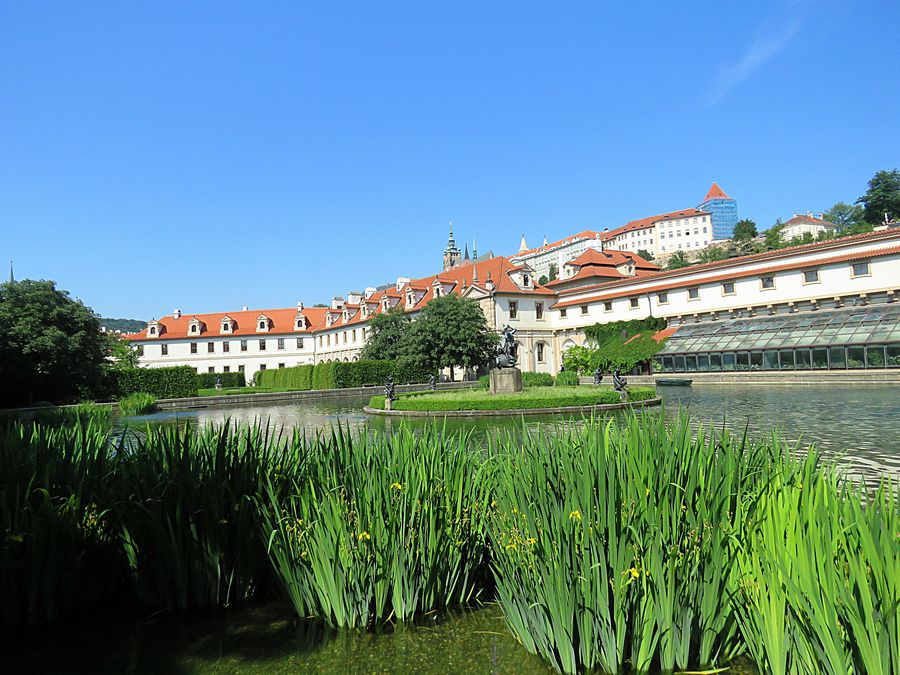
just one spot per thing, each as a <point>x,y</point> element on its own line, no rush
<point>410,300</point>
<point>195,326</point>
<point>329,319</point>
<point>300,322</point>
<point>345,315</point>
<point>365,310</point>
<point>263,323</point>
<point>151,330</point>
<point>526,280</point>
<point>438,291</point>
<point>226,325</point>
<point>384,305</point>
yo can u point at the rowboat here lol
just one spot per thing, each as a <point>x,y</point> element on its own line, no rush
<point>673,382</point>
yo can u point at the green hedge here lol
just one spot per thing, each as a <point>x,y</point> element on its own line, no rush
<point>228,380</point>
<point>529,379</point>
<point>173,382</point>
<point>339,375</point>
<point>538,399</point>
<point>567,378</point>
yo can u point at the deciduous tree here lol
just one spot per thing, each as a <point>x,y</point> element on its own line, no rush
<point>677,260</point>
<point>386,334</point>
<point>882,197</point>
<point>645,254</point>
<point>744,230</point>
<point>845,215</point>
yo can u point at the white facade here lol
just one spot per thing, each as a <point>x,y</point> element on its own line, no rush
<point>805,224</point>
<point>853,271</point>
<point>558,253</point>
<point>661,236</point>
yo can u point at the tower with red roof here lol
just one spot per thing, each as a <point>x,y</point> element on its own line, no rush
<point>723,209</point>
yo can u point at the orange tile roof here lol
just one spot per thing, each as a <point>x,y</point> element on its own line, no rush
<point>586,234</point>
<point>281,321</point>
<point>801,219</point>
<point>715,192</point>
<point>594,263</point>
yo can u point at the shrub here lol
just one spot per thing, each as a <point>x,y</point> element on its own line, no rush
<point>172,382</point>
<point>137,403</point>
<point>539,397</point>
<point>298,378</point>
<point>324,376</point>
<point>340,375</point>
<point>567,378</point>
<point>484,382</point>
<point>227,380</point>
<point>537,379</point>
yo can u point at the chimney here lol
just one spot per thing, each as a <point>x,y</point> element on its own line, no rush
<point>300,306</point>
<point>245,308</point>
<point>337,302</point>
<point>369,292</point>
<point>489,283</point>
<point>401,281</point>
<point>176,313</point>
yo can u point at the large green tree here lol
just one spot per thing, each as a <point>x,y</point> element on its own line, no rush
<point>712,254</point>
<point>51,347</point>
<point>645,254</point>
<point>882,197</point>
<point>450,331</point>
<point>744,230</point>
<point>386,335</point>
<point>774,237</point>
<point>845,215</point>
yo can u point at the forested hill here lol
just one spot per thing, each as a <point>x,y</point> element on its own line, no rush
<point>124,325</point>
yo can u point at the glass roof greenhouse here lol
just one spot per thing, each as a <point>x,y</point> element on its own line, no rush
<point>856,337</point>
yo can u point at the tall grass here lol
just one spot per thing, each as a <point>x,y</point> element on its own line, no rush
<point>137,403</point>
<point>380,527</point>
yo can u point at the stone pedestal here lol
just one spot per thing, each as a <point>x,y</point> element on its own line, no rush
<point>506,380</point>
<point>388,404</point>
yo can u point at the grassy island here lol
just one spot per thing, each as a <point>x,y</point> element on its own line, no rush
<point>531,397</point>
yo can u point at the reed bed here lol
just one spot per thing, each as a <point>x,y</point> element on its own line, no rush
<point>628,546</point>
<point>380,528</point>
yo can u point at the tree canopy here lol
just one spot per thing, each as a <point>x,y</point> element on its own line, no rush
<point>712,254</point>
<point>385,335</point>
<point>450,331</point>
<point>845,215</point>
<point>51,347</point>
<point>744,230</point>
<point>645,254</point>
<point>882,197</point>
<point>677,260</point>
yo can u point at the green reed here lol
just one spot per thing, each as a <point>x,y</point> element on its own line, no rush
<point>137,403</point>
<point>380,527</point>
<point>58,550</point>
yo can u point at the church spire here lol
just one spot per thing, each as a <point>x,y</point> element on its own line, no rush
<point>466,256</point>
<point>522,245</point>
<point>12,277</point>
<point>451,253</point>
<point>474,251</point>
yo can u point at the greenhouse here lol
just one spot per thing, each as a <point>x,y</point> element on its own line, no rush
<point>857,337</point>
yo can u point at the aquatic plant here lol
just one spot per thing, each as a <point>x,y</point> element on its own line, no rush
<point>137,403</point>
<point>380,527</point>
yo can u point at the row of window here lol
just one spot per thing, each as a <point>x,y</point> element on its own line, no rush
<point>766,283</point>
<point>225,345</point>
<point>815,358</point>
<point>514,310</point>
<point>325,340</point>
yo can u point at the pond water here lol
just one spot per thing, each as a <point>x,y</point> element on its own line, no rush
<point>857,424</point>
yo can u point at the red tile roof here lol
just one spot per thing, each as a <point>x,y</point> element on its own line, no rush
<point>801,219</point>
<point>594,263</point>
<point>281,321</point>
<point>715,192</point>
<point>586,234</point>
<point>650,221</point>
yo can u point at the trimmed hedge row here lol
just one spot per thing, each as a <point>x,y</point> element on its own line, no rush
<point>567,378</point>
<point>513,402</point>
<point>530,379</point>
<point>339,375</point>
<point>172,382</point>
<point>228,380</point>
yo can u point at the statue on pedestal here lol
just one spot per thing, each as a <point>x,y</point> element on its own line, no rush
<point>389,395</point>
<point>620,384</point>
<point>432,382</point>
<point>598,376</point>
<point>506,352</point>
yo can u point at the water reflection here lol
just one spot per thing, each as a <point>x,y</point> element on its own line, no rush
<point>858,424</point>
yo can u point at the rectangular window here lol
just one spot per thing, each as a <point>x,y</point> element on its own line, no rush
<point>633,303</point>
<point>328,340</point>
<point>354,335</point>
<point>539,310</point>
<point>811,276</point>
<point>728,288</point>
<point>164,350</point>
<point>243,345</point>
<point>299,343</point>
<point>226,369</point>
<point>693,294</point>
<point>240,369</point>
<point>562,313</point>
<point>607,306</point>
<point>262,345</point>
<point>140,350</point>
<point>861,269</point>
<point>345,337</point>
<point>786,356</point>
<point>513,309</point>
<point>280,343</point>
<point>320,340</point>
<point>540,352</point>
<point>262,366</point>
<point>836,358</point>
<point>211,369</point>
<point>715,362</point>
<point>767,283</point>
<point>662,298</point>
<point>281,365</point>
<point>193,348</point>
<point>210,347</point>
<point>856,357</point>
<point>226,346</point>
<point>584,310</point>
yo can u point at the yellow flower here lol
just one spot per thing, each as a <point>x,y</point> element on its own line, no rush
<point>646,492</point>
<point>364,536</point>
<point>531,540</point>
<point>635,572</point>
<point>397,486</point>
<point>575,515</point>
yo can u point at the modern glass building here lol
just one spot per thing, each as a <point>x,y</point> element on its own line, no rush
<point>723,212</point>
<point>857,337</point>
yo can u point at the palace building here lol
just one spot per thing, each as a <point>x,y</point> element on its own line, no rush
<point>829,304</point>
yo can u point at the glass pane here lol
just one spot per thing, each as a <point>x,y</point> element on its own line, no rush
<point>678,363</point>
<point>836,358</point>
<point>667,364</point>
<point>691,363</point>
<point>802,359</point>
<point>703,362</point>
<point>893,356</point>
<point>770,360</point>
<point>715,362</point>
<point>743,361</point>
<point>875,356</point>
<point>786,356</point>
<point>856,357</point>
<point>819,358</point>
<point>756,360</point>
<point>727,361</point>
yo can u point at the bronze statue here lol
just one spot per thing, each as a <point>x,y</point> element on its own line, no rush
<point>619,382</point>
<point>506,352</point>
<point>432,383</point>
<point>389,389</point>
<point>598,376</point>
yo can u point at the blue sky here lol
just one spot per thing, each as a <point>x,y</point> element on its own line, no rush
<point>155,155</point>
